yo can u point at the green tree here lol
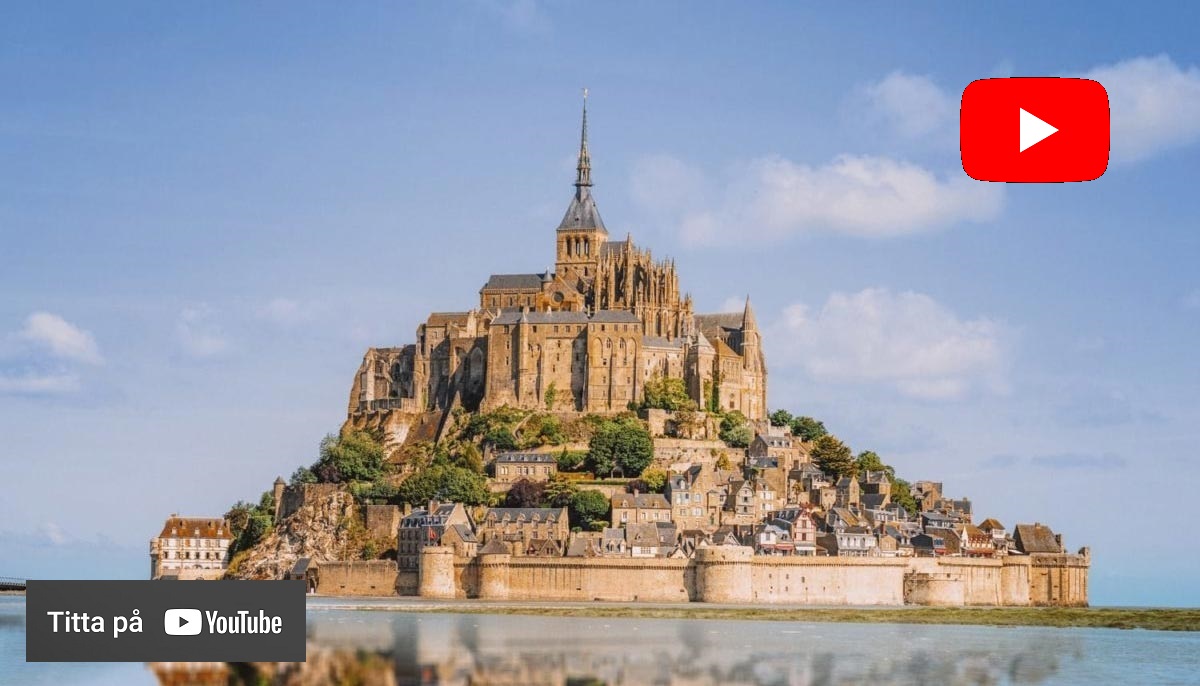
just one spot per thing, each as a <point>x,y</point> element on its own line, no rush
<point>303,475</point>
<point>587,507</point>
<point>542,429</point>
<point>869,461</point>
<point>468,457</point>
<point>550,396</point>
<point>351,456</point>
<point>807,428</point>
<point>655,479</point>
<point>902,495</point>
<point>781,418</point>
<point>736,430</point>
<point>667,393</point>
<point>501,438</point>
<point>687,422</point>
<point>833,457</point>
<point>559,491</point>
<point>525,493</point>
<point>570,460</point>
<point>623,443</point>
<point>446,483</point>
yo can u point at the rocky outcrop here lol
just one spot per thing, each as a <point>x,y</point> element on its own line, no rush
<point>316,530</point>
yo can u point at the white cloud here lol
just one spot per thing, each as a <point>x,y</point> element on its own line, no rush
<point>62,338</point>
<point>907,341</point>
<point>520,16</point>
<point>53,533</point>
<point>287,312</point>
<point>911,105</point>
<point>199,334</point>
<point>866,196</point>
<point>39,384</point>
<point>665,183</point>
<point>1155,105</point>
<point>733,304</point>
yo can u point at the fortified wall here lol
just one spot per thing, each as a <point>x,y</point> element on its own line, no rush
<point>732,574</point>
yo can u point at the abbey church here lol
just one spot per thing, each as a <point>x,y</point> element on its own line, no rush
<point>583,338</point>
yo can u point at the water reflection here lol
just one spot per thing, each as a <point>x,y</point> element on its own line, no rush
<point>388,648</point>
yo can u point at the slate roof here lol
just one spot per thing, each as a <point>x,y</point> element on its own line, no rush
<point>661,342</point>
<point>536,458</point>
<point>564,317</point>
<point>494,547</point>
<point>641,501</point>
<point>514,282</point>
<point>1035,538</point>
<point>560,317</point>
<point>615,317</point>
<point>722,320</point>
<point>528,514</point>
<point>443,318</point>
<point>186,527</point>
<point>465,533</point>
<point>776,441</point>
<point>872,501</point>
<point>990,524</point>
<point>582,213</point>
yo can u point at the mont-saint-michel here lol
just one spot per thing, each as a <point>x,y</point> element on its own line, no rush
<point>582,433</point>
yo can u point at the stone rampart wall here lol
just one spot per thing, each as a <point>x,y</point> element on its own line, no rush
<point>361,578</point>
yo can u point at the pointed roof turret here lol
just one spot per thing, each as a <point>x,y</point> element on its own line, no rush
<point>583,169</point>
<point>748,321</point>
<point>582,213</point>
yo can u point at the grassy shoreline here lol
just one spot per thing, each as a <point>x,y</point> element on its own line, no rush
<point>1159,619</point>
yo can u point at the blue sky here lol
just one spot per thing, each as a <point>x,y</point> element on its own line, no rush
<point>207,214</point>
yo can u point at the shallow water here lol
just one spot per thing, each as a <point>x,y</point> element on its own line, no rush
<point>374,647</point>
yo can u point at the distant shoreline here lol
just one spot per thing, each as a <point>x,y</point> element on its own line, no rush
<point>1157,619</point>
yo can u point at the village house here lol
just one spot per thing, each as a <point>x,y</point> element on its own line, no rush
<point>800,525</point>
<point>998,533</point>
<point>650,539</point>
<point>773,539</point>
<point>930,544</point>
<point>190,548</point>
<point>974,542</point>
<point>633,508</point>
<point>937,520</point>
<point>519,527</point>
<point>848,492</point>
<point>1036,538</point>
<point>853,541</point>
<point>927,494</point>
<point>785,450</point>
<point>424,527</point>
<point>691,492</point>
<point>513,467</point>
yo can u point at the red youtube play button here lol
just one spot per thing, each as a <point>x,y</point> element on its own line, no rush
<point>1034,130</point>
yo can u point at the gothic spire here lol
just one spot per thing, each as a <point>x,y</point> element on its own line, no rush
<point>748,321</point>
<point>583,171</point>
<point>582,213</point>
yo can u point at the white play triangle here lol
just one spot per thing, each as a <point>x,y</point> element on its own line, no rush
<point>1033,130</point>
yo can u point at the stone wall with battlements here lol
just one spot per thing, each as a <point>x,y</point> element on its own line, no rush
<point>731,574</point>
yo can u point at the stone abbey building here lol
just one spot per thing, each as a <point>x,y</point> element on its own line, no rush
<point>583,338</point>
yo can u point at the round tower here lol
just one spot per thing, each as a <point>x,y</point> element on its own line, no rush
<point>723,574</point>
<point>436,572</point>
<point>277,493</point>
<point>494,574</point>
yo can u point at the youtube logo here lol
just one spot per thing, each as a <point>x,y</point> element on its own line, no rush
<point>1034,130</point>
<point>182,622</point>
